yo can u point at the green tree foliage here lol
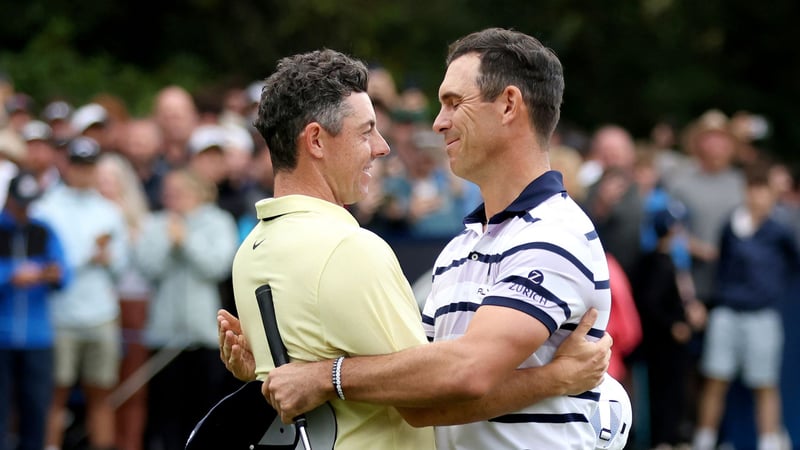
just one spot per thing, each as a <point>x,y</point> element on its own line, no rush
<point>626,61</point>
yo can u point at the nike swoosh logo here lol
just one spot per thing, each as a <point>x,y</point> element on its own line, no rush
<point>257,243</point>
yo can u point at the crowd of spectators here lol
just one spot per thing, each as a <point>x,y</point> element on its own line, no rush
<point>149,211</point>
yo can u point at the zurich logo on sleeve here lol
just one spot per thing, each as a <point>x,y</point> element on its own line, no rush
<point>536,276</point>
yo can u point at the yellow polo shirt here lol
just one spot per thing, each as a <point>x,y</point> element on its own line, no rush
<point>338,290</point>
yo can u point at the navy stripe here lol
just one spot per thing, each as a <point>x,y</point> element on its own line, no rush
<point>541,290</point>
<point>603,284</point>
<point>522,306</point>
<point>588,395</point>
<point>473,256</point>
<point>458,306</point>
<point>592,235</point>
<point>427,319</point>
<point>540,418</point>
<point>489,259</point>
<point>594,332</point>
<point>554,249</point>
<point>452,265</point>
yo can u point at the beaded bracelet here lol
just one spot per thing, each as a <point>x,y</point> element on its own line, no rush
<point>336,377</point>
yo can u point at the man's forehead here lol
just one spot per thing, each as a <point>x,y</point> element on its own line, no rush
<point>361,108</point>
<point>461,76</point>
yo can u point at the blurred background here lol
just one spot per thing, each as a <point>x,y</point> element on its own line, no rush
<point>631,62</point>
<point>670,108</point>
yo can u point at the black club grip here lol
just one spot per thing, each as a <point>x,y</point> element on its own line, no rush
<point>267,308</point>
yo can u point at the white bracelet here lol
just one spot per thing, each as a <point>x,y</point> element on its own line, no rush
<point>337,377</point>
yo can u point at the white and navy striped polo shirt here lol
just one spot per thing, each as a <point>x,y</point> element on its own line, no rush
<point>540,256</point>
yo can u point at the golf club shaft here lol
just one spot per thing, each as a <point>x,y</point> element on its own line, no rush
<point>277,349</point>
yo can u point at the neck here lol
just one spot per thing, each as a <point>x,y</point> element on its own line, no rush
<point>295,183</point>
<point>511,176</point>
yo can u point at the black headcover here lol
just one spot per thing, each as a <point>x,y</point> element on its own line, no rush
<point>245,421</point>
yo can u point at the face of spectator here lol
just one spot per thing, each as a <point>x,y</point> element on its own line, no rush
<point>210,164</point>
<point>176,114</point>
<point>108,181</point>
<point>238,162</point>
<point>81,175</point>
<point>62,129</point>
<point>180,194</point>
<point>715,150</point>
<point>614,148</point>
<point>348,156</point>
<point>41,156</point>
<point>18,119</point>
<point>760,199</point>
<point>646,177</point>
<point>141,142</point>
<point>100,133</point>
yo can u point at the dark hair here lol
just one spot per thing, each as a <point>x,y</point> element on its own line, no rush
<point>305,88</point>
<point>508,58</point>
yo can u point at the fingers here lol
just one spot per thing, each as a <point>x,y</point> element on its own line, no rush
<point>269,396</point>
<point>229,339</point>
<point>228,321</point>
<point>586,323</point>
<point>221,334</point>
<point>607,340</point>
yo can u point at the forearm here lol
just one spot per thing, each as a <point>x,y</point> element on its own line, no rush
<point>422,376</point>
<point>522,388</point>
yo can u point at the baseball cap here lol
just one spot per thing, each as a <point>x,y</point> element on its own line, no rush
<point>205,137</point>
<point>613,418</point>
<point>83,150</point>
<point>36,130</point>
<point>238,137</point>
<point>24,188</point>
<point>254,90</point>
<point>88,115</point>
<point>57,110</point>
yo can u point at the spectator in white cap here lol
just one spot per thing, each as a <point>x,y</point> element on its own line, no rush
<point>239,159</point>
<point>86,312</point>
<point>253,97</point>
<point>90,120</point>
<point>58,114</point>
<point>207,152</point>
<point>42,156</point>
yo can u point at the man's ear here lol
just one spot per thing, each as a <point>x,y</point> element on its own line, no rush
<point>512,103</point>
<point>313,139</point>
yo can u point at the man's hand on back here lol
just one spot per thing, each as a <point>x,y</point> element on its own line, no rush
<point>583,363</point>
